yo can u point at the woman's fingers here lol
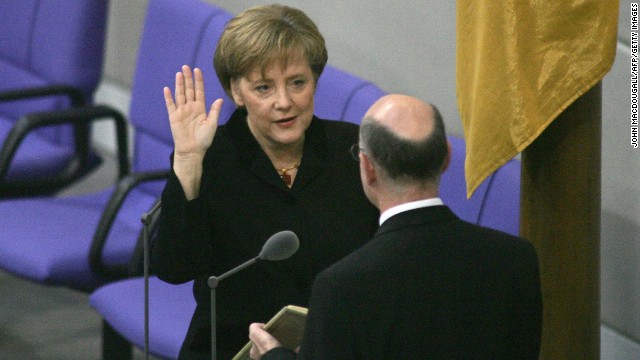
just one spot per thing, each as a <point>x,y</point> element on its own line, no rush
<point>188,101</point>
<point>189,86</point>
<point>180,95</point>
<point>199,85</point>
<point>188,83</point>
<point>168,99</point>
<point>214,111</point>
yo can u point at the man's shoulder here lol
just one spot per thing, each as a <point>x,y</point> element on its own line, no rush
<point>370,259</point>
<point>498,244</point>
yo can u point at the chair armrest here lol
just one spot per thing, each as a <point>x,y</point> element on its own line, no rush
<point>124,186</point>
<point>74,116</point>
<point>75,95</point>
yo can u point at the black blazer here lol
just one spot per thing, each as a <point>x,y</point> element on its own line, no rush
<point>242,203</point>
<point>428,286</point>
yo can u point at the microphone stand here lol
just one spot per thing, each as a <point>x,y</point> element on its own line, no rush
<point>147,220</point>
<point>213,284</point>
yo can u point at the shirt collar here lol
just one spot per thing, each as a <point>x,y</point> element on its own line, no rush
<point>409,206</point>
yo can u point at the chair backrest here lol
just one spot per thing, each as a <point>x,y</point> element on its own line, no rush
<point>50,42</point>
<point>343,96</point>
<point>453,190</point>
<point>501,210</point>
<point>494,204</point>
<point>166,45</point>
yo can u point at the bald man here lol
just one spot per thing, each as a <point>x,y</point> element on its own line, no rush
<point>428,285</point>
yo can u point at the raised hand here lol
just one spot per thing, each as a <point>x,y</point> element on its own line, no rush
<point>192,127</point>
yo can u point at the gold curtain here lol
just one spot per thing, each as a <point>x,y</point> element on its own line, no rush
<point>519,64</point>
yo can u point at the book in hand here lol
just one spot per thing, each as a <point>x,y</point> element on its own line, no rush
<point>287,326</point>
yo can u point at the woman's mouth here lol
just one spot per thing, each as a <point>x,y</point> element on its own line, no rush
<point>286,121</point>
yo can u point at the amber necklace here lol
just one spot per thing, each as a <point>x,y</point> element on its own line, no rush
<point>287,177</point>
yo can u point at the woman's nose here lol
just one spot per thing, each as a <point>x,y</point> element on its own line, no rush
<point>283,99</point>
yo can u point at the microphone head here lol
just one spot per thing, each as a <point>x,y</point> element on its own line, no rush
<point>280,246</point>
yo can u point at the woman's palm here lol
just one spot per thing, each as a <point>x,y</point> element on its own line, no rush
<point>192,128</point>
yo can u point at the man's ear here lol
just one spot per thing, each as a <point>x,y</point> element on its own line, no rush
<point>447,160</point>
<point>369,171</point>
<point>236,93</point>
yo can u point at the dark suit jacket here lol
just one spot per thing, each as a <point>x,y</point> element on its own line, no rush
<point>242,203</point>
<point>427,286</point>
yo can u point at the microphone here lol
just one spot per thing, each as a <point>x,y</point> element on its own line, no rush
<point>279,246</point>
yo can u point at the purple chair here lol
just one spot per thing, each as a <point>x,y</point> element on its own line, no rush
<point>171,307</point>
<point>87,240</point>
<point>453,189</point>
<point>501,208</point>
<point>165,46</point>
<point>84,241</point>
<point>343,96</point>
<point>50,60</point>
<point>495,203</point>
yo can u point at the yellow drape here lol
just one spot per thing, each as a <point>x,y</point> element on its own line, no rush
<point>519,64</point>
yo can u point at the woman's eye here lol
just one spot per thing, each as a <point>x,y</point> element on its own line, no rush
<point>262,88</point>
<point>298,83</point>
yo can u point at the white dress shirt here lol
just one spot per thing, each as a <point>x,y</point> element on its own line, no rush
<point>409,206</point>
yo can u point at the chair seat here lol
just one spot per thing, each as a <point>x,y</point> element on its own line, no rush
<point>70,224</point>
<point>170,310</point>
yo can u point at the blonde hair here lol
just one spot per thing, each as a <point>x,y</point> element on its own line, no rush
<point>263,35</point>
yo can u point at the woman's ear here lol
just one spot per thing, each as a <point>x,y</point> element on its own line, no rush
<point>238,98</point>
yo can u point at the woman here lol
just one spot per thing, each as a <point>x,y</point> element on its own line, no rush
<point>273,166</point>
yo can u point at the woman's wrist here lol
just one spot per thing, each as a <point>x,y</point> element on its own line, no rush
<point>189,173</point>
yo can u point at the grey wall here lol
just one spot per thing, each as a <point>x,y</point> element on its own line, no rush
<point>408,46</point>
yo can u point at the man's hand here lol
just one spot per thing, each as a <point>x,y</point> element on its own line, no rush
<point>261,340</point>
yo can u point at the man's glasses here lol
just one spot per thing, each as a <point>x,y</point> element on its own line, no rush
<point>355,150</point>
